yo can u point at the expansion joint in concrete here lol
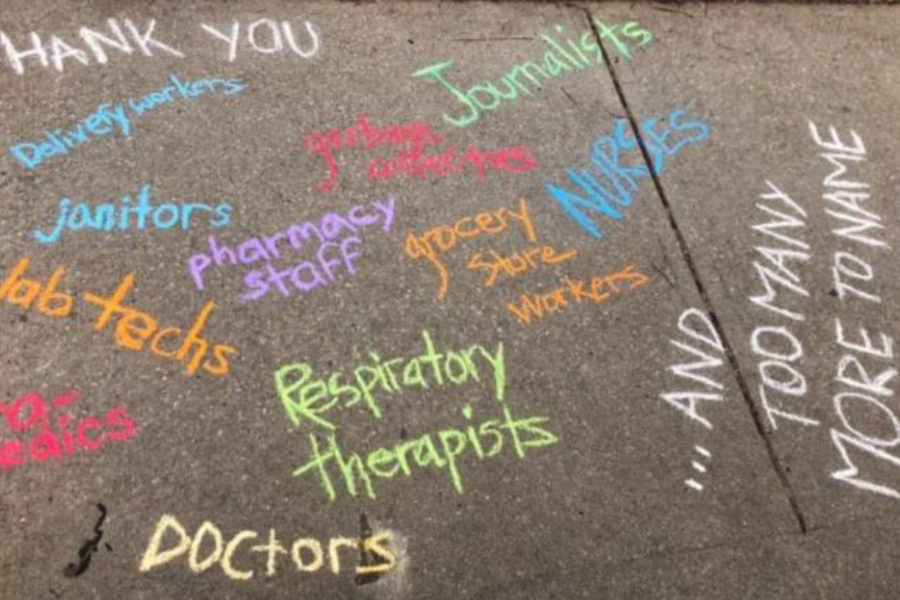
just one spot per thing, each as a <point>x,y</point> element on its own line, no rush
<point>698,282</point>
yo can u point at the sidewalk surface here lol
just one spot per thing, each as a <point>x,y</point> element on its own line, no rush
<point>439,301</point>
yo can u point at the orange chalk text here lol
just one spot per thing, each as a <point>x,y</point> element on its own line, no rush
<point>443,238</point>
<point>535,306</point>
<point>134,329</point>
<point>518,262</point>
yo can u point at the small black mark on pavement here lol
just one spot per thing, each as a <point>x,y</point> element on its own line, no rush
<point>367,558</point>
<point>86,552</point>
<point>569,96</point>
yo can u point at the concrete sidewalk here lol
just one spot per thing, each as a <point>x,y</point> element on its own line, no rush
<point>468,300</point>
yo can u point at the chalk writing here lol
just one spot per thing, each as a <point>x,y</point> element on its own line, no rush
<point>308,275</point>
<point>59,50</point>
<point>518,262</point>
<point>536,306</point>
<point>307,554</point>
<point>411,138</point>
<point>699,467</point>
<point>442,450</point>
<point>695,324</point>
<point>112,217</point>
<point>59,437</point>
<point>18,291</point>
<point>697,327</point>
<point>186,91</point>
<point>133,327</point>
<point>264,36</point>
<point>512,159</point>
<point>779,368</point>
<point>608,151</point>
<point>557,61</point>
<point>109,119</point>
<point>864,372</point>
<point>443,238</point>
<point>105,120</point>
<point>307,399</point>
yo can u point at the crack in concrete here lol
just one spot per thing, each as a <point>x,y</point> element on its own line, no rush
<point>669,9</point>
<point>698,282</point>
